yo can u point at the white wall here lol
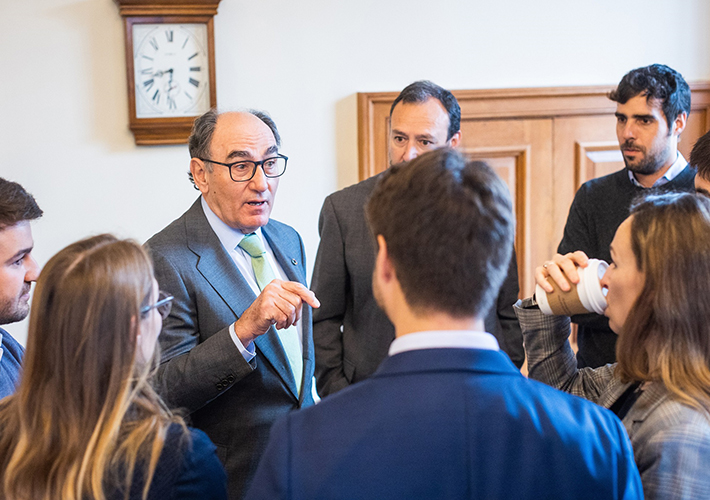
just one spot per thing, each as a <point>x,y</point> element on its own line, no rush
<point>64,128</point>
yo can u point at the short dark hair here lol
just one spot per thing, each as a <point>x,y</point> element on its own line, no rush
<point>656,81</point>
<point>203,130</point>
<point>448,225</point>
<point>16,204</point>
<point>423,90</point>
<point>700,156</point>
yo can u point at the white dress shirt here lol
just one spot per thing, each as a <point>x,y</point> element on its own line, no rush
<point>678,165</point>
<point>230,239</point>
<point>444,339</point>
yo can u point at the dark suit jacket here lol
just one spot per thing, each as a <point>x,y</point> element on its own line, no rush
<point>10,364</point>
<point>188,469</point>
<point>351,333</point>
<point>448,424</point>
<point>233,401</point>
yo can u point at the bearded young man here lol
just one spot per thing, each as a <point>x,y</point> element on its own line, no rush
<point>18,269</point>
<point>652,109</point>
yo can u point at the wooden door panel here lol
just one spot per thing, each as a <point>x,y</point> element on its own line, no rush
<point>696,126</point>
<point>515,150</point>
<point>596,159</point>
<point>544,143</point>
<point>576,137</point>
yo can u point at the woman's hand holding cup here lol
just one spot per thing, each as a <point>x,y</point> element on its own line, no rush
<point>570,284</point>
<point>561,268</point>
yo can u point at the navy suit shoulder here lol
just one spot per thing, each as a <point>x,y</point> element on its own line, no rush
<point>10,364</point>
<point>448,423</point>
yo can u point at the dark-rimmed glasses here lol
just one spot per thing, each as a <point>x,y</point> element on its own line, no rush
<point>163,305</point>
<point>245,170</point>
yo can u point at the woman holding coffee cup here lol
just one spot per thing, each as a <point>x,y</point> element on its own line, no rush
<point>658,294</point>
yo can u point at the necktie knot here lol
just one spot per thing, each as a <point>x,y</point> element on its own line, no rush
<point>252,245</point>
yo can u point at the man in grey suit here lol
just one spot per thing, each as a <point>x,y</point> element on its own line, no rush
<point>237,350</point>
<point>351,333</point>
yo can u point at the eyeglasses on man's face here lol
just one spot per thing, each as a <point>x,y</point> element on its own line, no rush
<point>245,170</point>
<point>163,305</point>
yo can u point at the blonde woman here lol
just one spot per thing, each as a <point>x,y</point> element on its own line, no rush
<point>85,422</point>
<point>659,304</point>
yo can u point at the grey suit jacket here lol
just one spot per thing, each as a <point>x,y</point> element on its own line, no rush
<point>202,371</point>
<point>671,440</point>
<point>351,333</point>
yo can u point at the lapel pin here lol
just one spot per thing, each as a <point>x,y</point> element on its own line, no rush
<point>294,262</point>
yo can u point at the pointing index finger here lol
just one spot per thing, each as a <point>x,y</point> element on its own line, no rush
<point>304,293</point>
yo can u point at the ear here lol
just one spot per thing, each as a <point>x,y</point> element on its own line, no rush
<point>455,139</point>
<point>199,174</point>
<point>136,331</point>
<point>679,123</point>
<point>383,264</point>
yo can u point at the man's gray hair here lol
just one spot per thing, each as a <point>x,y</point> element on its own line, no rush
<point>203,130</point>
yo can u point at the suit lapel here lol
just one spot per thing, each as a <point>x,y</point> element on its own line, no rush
<point>217,267</point>
<point>287,254</point>
<point>215,264</point>
<point>647,402</point>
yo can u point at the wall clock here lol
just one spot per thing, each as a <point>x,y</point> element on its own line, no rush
<point>169,66</point>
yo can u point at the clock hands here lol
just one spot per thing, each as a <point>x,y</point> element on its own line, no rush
<point>170,87</point>
<point>160,73</point>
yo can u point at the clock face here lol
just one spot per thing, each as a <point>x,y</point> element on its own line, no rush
<point>170,64</point>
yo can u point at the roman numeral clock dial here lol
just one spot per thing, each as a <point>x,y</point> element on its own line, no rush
<point>170,65</point>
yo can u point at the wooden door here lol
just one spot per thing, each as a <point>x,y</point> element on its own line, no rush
<point>519,152</point>
<point>544,143</point>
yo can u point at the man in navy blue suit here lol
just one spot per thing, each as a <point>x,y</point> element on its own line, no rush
<point>18,269</point>
<point>447,415</point>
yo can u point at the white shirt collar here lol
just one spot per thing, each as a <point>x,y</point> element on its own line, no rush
<point>229,236</point>
<point>444,339</point>
<point>678,165</point>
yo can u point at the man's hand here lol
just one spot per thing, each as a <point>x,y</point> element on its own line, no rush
<point>278,304</point>
<point>561,269</point>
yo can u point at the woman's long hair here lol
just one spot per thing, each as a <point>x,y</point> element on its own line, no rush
<point>666,336</point>
<point>84,417</point>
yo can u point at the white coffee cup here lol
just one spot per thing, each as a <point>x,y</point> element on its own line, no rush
<point>585,297</point>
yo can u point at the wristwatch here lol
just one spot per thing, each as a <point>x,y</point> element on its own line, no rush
<point>529,303</point>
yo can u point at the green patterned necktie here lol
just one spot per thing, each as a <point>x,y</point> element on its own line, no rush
<point>251,243</point>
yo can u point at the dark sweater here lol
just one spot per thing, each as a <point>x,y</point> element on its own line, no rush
<point>599,207</point>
